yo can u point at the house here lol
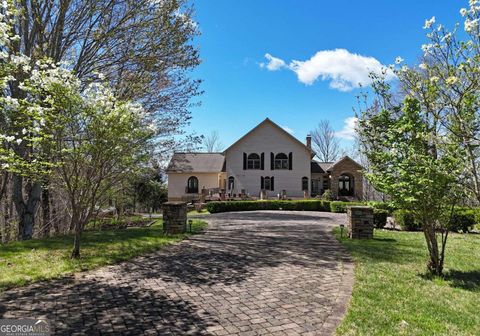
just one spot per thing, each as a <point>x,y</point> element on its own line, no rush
<point>266,162</point>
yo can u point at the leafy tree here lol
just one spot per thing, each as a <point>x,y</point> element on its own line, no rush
<point>422,141</point>
<point>104,142</point>
<point>145,49</point>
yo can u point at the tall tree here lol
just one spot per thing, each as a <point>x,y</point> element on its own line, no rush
<point>324,142</point>
<point>422,145</point>
<point>106,139</point>
<point>212,142</point>
<point>144,48</point>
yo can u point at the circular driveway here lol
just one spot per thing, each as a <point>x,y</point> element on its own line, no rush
<point>250,273</point>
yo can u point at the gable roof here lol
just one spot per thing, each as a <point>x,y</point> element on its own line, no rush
<point>343,158</point>
<point>316,167</point>
<point>196,162</point>
<point>268,121</point>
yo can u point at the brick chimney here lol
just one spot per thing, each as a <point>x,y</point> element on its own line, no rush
<point>309,141</point>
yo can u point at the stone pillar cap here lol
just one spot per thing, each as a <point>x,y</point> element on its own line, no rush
<point>174,203</point>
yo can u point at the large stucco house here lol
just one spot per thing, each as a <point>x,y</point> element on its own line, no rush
<point>267,162</point>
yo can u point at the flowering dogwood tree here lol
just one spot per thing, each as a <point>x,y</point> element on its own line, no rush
<point>423,147</point>
<point>104,141</point>
<point>31,113</point>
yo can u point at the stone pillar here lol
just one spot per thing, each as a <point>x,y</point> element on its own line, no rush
<point>174,217</point>
<point>360,222</point>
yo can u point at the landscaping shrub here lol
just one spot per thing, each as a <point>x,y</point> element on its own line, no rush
<point>339,206</point>
<point>462,220</point>
<point>327,195</point>
<point>380,218</point>
<point>406,221</point>
<point>303,205</point>
<point>383,206</point>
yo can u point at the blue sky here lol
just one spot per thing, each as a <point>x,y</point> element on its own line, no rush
<point>241,91</point>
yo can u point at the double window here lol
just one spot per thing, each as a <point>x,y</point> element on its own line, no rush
<point>267,183</point>
<point>253,161</point>
<point>281,161</point>
<point>231,183</point>
<point>345,185</point>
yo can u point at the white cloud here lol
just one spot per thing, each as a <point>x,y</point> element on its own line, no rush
<point>348,131</point>
<point>274,63</point>
<point>344,70</point>
<point>288,129</point>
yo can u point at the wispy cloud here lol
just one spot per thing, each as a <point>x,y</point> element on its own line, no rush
<point>348,131</point>
<point>288,129</point>
<point>273,63</point>
<point>344,70</point>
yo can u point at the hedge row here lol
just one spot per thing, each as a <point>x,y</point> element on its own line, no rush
<point>303,205</point>
<point>462,220</point>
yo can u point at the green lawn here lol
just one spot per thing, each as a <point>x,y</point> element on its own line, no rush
<point>393,295</point>
<point>33,260</point>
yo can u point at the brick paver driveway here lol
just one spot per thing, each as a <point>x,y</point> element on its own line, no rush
<point>251,273</point>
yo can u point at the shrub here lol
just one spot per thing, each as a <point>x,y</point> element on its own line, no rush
<point>327,195</point>
<point>462,220</point>
<point>339,206</point>
<point>303,205</point>
<point>380,218</point>
<point>383,206</point>
<point>406,220</point>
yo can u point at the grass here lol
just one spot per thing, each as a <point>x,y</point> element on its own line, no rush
<point>393,295</point>
<point>196,213</point>
<point>33,260</point>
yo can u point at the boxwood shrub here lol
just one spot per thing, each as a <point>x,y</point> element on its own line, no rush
<point>380,218</point>
<point>338,206</point>
<point>406,221</point>
<point>302,205</point>
<point>463,220</point>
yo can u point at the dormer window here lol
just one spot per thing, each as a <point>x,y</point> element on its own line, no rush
<point>281,161</point>
<point>253,161</point>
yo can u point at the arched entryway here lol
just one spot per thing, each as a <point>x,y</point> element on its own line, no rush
<point>345,185</point>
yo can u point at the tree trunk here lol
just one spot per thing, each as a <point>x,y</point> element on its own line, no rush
<point>435,265</point>
<point>46,212</point>
<point>75,223</point>
<point>26,209</point>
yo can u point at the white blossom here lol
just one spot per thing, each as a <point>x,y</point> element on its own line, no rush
<point>429,23</point>
<point>19,141</point>
<point>471,25</point>
<point>434,79</point>
<point>398,60</point>
<point>463,11</point>
<point>451,80</point>
<point>423,66</point>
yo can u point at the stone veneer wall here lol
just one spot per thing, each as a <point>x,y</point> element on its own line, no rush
<point>174,217</point>
<point>360,222</point>
<point>351,168</point>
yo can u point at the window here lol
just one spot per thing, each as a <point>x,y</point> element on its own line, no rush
<point>192,185</point>
<point>267,184</point>
<point>305,183</point>
<point>345,185</point>
<point>281,161</point>
<point>231,183</point>
<point>253,161</point>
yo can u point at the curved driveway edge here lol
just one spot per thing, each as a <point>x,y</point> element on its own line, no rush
<point>251,273</point>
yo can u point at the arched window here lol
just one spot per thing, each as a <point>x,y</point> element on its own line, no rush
<point>281,161</point>
<point>345,185</point>
<point>304,183</point>
<point>192,185</point>
<point>231,183</point>
<point>253,161</point>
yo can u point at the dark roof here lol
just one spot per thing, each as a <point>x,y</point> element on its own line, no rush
<point>315,167</point>
<point>197,162</point>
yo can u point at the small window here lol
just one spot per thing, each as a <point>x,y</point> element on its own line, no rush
<point>231,183</point>
<point>281,161</point>
<point>253,161</point>
<point>267,183</point>
<point>192,185</point>
<point>305,183</point>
